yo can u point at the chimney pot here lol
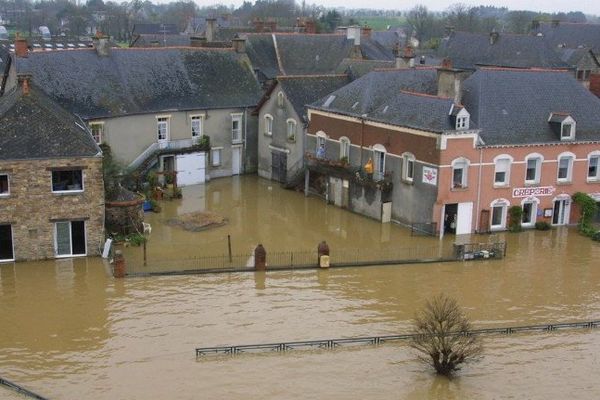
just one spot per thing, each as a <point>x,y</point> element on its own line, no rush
<point>197,41</point>
<point>24,81</point>
<point>239,45</point>
<point>211,26</point>
<point>494,37</point>
<point>21,48</point>
<point>101,46</point>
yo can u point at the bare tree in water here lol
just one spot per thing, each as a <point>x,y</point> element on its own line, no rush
<point>441,336</point>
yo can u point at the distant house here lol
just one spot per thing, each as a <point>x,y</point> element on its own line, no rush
<point>474,50</point>
<point>583,61</point>
<point>455,152</point>
<point>282,122</point>
<point>51,186</point>
<point>569,35</point>
<point>154,105</point>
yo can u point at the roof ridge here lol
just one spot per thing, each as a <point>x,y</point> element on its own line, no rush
<point>532,69</point>
<point>425,68</point>
<point>311,76</point>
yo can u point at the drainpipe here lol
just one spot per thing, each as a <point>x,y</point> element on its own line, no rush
<point>362,142</point>
<point>477,210</point>
<point>245,143</point>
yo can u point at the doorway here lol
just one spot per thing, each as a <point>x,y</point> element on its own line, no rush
<point>560,212</point>
<point>6,243</point>
<point>279,166</point>
<point>450,215</point>
<point>70,238</point>
<point>236,160</point>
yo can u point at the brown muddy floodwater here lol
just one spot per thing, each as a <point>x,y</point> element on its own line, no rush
<point>70,331</point>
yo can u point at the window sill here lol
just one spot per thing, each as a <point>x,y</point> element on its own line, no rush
<point>564,183</point>
<point>531,184</point>
<point>501,186</point>
<point>589,180</point>
<point>237,142</point>
<point>459,189</point>
<point>408,181</point>
<point>268,134</point>
<point>67,192</point>
<point>4,195</point>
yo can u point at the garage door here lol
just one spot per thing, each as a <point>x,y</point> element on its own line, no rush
<point>190,169</point>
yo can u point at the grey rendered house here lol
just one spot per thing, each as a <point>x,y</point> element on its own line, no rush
<point>282,122</point>
<point>152,105</point>
<point>51,185</point>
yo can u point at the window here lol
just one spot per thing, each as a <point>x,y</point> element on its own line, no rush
<point>6,243</point>
<point>268,125</point>
<point>4,188</point>
<point>197,124</point>
<point>236,128</point>
<point>408,167</point>
<point>565,166</point>
<point>378,162</point>
<point>320,145</point>
<point>593,164</point>
<point>580,75</point>
<point>345,148</point>
<point>566,131</point>
<point>462,117</point>
<point>499,210</point>
<point>459,173</point>
<point>162,129</point>
<point>69,238</point>
<point>502,171</point>
<point>461,122</point>
<point>67,181</point>
<point>291,130</point>
<point>533,169</point>
<point>97,131</point>
<point>280,99</point>
<point>215,156</point>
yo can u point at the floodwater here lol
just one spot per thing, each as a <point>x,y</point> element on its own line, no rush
<point>70,331</point>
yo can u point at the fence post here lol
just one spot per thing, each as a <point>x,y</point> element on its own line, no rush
<point>119,269</point>
<point>260,258</point>
<point>323,250</point>
<point>229,247</point>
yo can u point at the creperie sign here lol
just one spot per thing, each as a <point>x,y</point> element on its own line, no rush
<point>533,191</point>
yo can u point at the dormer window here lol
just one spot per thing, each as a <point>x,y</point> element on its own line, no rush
<point>563,124</point>
<point>461,117</point>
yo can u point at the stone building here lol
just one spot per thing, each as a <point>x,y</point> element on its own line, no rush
<point>51,185</point>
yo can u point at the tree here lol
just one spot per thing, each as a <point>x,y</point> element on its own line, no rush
<point>442,337</point>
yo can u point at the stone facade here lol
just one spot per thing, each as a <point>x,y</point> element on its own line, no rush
<point>32,209</point>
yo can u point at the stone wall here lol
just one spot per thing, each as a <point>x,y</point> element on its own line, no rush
<point>32,209</point>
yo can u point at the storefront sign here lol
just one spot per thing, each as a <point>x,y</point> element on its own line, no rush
<point>430,175</point>
<point>533,191</point>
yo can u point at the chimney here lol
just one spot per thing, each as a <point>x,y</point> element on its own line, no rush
<point>197,41</point>
<point>406,59</point>
<point>494,37</point>
<point>154,43</point>
<point>448,30</point>
<point>309,26</point>
<point>101,45</point>
<point>353,32</point>
<point>366,30</point>
<point>259,25</point>
<point>239,45</point>
<point>24,81</point>
<point>211,26</point>
<point>21,46</point>
<point>271,25</point>
<point>449,81</point>
<point>595,84</point>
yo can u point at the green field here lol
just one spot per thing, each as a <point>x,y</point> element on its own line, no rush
<point>380,23</point>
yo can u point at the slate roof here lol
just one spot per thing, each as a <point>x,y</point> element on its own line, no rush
<point>35,127</point>
<point>513,106</point>
<point>132,81</point>
<point>389,39</point>
<point>305,54</point>
<point>403,97</point>
<point>571,35</point>
<point>303,90</point>
<point>154,29</point>
<point>574,56</point>
<point>170,40</point>
<point>357,68</point>
<point>467,50</point>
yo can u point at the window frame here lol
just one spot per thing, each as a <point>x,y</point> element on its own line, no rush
<point>81,190</point>
<point>200,119</point>
<point>160,120</point>
<point>7,193</point>
<point>460,164</point>
<point>99,125</point>
<point>534,201</point>
<point>345,147</point>
<point>408,159</point>
<point>379,153</point>
<point>593,155</point>
<point>503,205</point>
<point>236,118</point>
<point>85,239</point>
<point>280,99</point>
<point>268,131</point>
<point>321,139</point>
<point>213,151</point>
<point>291,123</point>
<point>497,160</point>
<point>570,157</point>
<point>538,168</point>
<point>12,242</point>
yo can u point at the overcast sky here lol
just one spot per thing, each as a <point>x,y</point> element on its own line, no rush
<point>587,6</point>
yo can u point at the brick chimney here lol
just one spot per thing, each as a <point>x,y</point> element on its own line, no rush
<point>239,45</point>
<point>353,33</point>
<point>406,58</point>
<point>101,45</point>
<point>309,26</point>
<point>24,81</point>
<point>197,41</point>
<point>449,81</point>
<point>259,25</point>
<point>494,36</point>
<point>366,30</point>
<point>271,26</point>
<point>21,49</point>
<point>211,29</point>
<point>595,84</point>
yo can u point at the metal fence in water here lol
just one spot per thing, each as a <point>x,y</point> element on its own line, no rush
<point>339,257</point>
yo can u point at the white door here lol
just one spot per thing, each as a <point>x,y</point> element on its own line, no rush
<point>236,160</point>
<point>561,211</point>
<point>190,168</point>
<point>464,216</point>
